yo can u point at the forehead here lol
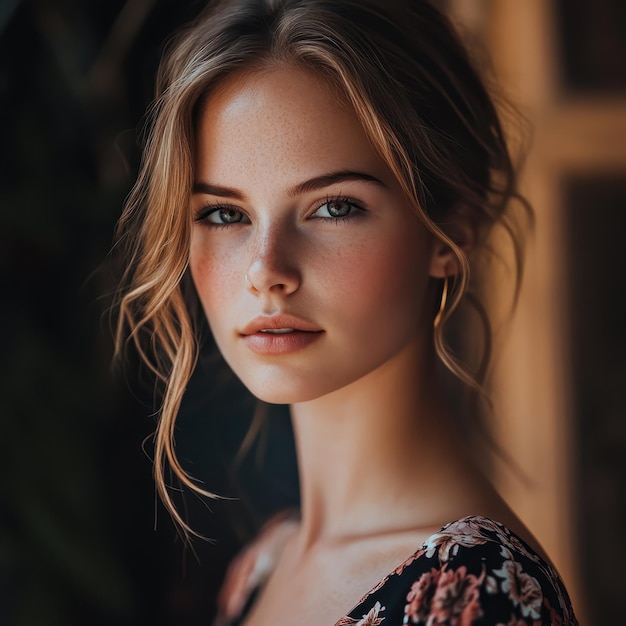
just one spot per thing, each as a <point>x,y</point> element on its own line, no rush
<point>286,119</point>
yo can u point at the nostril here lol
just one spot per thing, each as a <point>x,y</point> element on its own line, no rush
<point>266,275</point>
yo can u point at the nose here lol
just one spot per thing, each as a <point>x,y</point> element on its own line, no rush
<point>272,267</point>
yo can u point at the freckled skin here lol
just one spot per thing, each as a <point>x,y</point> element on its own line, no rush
<point>364,280</point>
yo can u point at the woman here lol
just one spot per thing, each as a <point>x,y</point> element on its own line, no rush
<point>326,172</point>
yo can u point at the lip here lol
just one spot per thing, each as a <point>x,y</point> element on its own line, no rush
<point>303,333</point>
<point>276,322</point>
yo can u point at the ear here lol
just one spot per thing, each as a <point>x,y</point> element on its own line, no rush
<point>461,231</point>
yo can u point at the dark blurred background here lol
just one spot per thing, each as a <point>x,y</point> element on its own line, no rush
<point>78,541</point>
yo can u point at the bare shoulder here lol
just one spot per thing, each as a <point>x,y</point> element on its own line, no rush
<point>491,506</point>
<point>251,568</point>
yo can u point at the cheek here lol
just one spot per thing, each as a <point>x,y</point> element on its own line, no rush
<point>214,275</point>
<point>387,274</point>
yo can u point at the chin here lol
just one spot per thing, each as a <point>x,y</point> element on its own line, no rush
<point>273,394</point>
<point>283,388</point>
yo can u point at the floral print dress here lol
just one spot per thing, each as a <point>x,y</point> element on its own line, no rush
<point>473,571</point>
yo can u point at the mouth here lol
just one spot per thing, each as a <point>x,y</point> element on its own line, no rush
<point>280,324</point>
<point>278,331</point>
<point>279,335</point>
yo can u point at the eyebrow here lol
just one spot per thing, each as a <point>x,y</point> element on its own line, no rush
<point>313,184</point>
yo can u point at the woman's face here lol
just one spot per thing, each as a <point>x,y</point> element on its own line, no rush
<point>309,263</point>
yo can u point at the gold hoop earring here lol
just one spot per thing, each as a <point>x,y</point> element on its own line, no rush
<point>442,304</point>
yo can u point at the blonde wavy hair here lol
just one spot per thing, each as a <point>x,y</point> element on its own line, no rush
<point>421,102</point>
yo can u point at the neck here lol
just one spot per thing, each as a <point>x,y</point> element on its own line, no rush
<point>373,447</point>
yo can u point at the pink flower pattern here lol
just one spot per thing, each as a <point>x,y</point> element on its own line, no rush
<point>372,618</point>
<point>524,590</point>
<point>443,597</point>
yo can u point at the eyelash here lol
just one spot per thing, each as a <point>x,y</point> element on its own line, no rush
<point>208,209</point>
<point>339,199</point>
<point>203,213</point>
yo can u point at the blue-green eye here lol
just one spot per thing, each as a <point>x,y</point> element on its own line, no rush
<point>336,208</point>
<point>223,216</point>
